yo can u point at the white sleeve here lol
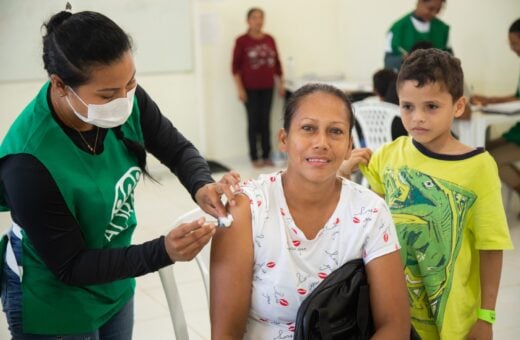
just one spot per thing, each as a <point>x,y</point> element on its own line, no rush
<point>381,237</point>
<point>388,47</point>
<point>257,201</point>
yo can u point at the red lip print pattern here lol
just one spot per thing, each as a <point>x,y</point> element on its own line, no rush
<point>296,243</point>
<point>294,230</point>
<point>271,264</point>
<point>302,291</point>
<point>282,212</point>
<point>283,302</point>
<point>322,275</point>
<point>385,237</point>
<point>272,178</point>
<point>258,203</point>
<point>356,220</point>
<point>292,328</point>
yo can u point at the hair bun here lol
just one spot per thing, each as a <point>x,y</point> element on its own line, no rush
<point>56,20</point>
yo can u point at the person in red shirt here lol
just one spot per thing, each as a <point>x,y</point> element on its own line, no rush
<point>255,67</point>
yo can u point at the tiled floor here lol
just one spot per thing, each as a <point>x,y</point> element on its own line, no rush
<point>158,205</point>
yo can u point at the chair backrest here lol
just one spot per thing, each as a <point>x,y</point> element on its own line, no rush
<point>375,120</point>
<point>169,283</point>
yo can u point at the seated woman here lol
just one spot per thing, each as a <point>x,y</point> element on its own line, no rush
<point>294,227</point>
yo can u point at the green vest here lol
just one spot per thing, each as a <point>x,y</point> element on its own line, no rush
<point>405,36</point>
<point>98,190</point>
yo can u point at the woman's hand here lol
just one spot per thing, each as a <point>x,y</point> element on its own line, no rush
<point>185,241</point>
<point>208,197</point>
<point>242,95</point>
<point>281,89</point>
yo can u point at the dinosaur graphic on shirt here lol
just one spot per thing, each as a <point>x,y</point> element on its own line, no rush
<point>429,214</point>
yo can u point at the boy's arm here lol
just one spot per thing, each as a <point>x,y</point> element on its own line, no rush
<point>490,270</point>
<point>350,165</point>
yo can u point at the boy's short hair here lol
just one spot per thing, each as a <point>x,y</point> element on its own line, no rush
<point>428,66</point>
<point>382,80</point>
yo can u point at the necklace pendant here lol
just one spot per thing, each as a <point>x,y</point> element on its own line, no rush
<point>89,147</point>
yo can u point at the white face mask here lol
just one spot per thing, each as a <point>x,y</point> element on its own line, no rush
<point>108,115</point>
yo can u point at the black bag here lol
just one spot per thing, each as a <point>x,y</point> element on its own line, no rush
<point>339,307</point>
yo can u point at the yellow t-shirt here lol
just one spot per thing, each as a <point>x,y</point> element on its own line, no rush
<point>446,209</point>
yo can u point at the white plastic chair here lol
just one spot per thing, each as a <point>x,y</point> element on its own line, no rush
<point>169,283</point>
<point>375,120</point>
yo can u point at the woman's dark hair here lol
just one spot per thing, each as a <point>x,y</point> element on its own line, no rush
<point>294,102</point>
<point>74,44</point>
<point>515,27</point>
<point>254,9</point>
<point>433,66</point>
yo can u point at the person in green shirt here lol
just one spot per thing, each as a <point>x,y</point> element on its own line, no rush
<point>506,149</point>
<point>69,165</point>
<point>421,25</point>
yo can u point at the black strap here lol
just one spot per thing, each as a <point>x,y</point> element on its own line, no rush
<point>363,311</point>
<point>325,329</point>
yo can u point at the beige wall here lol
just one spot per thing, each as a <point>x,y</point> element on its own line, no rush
<point>323,37</point>
<point>305,30</point>
<point>478,36</point>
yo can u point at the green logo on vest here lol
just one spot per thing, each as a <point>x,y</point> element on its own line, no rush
<point>123,207</point>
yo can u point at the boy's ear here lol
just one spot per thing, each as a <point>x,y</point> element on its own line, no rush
<point>460,106</point>
<point>282,140</point>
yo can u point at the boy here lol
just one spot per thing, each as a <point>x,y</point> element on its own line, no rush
<point>446,203</point>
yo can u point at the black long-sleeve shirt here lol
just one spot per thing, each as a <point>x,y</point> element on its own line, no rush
<point>37,205</point>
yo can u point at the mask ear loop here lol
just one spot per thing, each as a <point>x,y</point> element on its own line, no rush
<point>81,100</point>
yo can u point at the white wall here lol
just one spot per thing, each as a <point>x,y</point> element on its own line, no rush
<point>304,29</point>
<point>323,37</point>
<point>478,36</point>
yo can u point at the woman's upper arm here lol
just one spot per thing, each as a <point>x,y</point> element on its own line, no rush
<point>388,297</point>
<point>231,274</point>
